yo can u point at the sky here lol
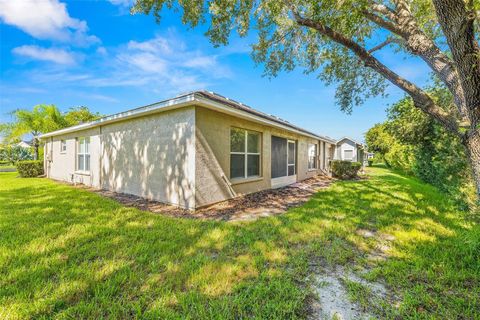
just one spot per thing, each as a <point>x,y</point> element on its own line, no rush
<point>96,54</point>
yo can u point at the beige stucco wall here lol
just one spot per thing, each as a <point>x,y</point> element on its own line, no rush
<point>213,181</point>
<point>62,166</point>
<point>152,157</point>
<point>180,157</point>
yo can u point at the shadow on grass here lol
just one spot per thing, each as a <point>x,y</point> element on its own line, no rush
<point>70,253</point>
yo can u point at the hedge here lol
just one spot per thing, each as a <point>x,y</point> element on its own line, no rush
<point>30,168</point>
<point>345,169</point>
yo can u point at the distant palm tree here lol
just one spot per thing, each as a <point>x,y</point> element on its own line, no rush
<point>43,118</point>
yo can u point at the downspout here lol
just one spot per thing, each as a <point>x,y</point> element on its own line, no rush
<point>100,157</point>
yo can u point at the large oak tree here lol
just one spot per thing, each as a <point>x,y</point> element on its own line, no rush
<point>341,39</point>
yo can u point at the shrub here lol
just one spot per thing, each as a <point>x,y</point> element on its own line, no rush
<point>12,154</point>
<point>370,162</point>
<point>30,168</point>
<point>345,169</point>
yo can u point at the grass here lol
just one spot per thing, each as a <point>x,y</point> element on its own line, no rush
<point>7,166</point>
<point>68,253</point>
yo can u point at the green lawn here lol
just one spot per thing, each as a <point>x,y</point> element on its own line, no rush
<point>69,253</point>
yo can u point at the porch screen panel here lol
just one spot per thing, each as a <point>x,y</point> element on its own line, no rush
<point>279,157</point>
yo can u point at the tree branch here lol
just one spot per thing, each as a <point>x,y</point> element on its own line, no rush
<point>381,45</point>
<point>388,25</point>
<point>417,42</point>
<point>382,9</point>
<point>420,98</point>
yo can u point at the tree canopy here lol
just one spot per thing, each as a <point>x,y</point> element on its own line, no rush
<point>412,142</point>
<point>41,119</point>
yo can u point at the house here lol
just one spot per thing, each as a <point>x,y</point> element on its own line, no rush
<point>24,144</point>
<point>193,150</point>
<point>348,149</point>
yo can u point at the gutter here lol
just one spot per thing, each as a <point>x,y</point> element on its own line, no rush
<point>195,98</point>
<point>122,116</point>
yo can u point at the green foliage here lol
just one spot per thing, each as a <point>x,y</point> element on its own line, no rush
<point>394,154</point>
<point>283,45</point>
<point>77,115</point>
<point>12,154</point>
<point>345,169</point>
<point>378,140</point>
<point>30,168</point>
<point>370,162</point>
<point>42,119</point>
<point>412,142</point>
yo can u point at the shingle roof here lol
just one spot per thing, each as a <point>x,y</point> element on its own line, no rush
<point>182,99</point>
<point>238,105</point>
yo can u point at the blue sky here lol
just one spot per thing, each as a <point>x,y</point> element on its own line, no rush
<point>94,53</point>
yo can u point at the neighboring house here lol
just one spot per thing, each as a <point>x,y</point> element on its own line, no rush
<point>24,144</point>
<point>193,150</point>
<point>348,149</point>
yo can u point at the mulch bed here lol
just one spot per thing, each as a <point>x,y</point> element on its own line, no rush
<point>247,207</point>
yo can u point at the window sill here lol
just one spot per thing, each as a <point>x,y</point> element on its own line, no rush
<point>82,173</point>
<point>245,180</point>
<point>311,170</point>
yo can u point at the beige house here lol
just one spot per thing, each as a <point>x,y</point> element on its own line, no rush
<point>191,151</point>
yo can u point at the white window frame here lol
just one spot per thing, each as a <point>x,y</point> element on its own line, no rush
<point>344,154</point>
<point>86,141</point>
<point>315,157</point>
<point>63,146</point>
<point>294,163</point>
<point>246,154</point>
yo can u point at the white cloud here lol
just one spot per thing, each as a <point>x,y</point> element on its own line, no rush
<point>59,56</point>
<point>167,54</point>
<point>163,65</point>
<point>45,19</point>
<point>101,51</point>
<point>122,3</point>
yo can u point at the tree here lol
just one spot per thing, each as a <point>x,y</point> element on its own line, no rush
<point>395,154</point>
<point>335,38</point>
<point>77,115</point>
<point>411,141</point>
<point>379,141</point>
<point>43,118</point>
<point>14,153</point>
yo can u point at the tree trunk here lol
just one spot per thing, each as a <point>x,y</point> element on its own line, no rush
<point>473,151</point>
<point>36,145</point>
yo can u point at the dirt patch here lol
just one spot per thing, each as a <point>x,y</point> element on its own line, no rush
<point>334,300</point>
<point>383,246</point>
<point>248,207</point>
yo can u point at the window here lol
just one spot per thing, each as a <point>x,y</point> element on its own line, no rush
<point>63,146</point>
<point>244,153</point>
<point>348,155</point>
<point>83,154</point>
<point>312,156</point>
